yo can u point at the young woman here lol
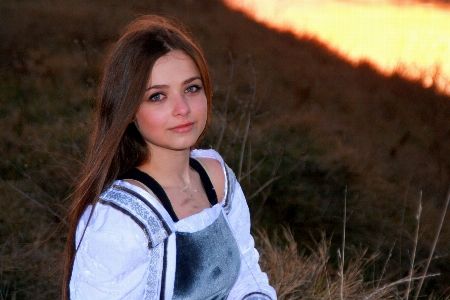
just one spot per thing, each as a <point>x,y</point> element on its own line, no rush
<point>152,218</point>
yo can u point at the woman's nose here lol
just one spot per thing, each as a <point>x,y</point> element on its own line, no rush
<point>181,106</point>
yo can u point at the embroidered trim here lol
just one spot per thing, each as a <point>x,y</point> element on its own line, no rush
<point>155,272</point>
<point>140,210</point>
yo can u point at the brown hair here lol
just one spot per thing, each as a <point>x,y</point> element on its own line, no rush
<point>116,146</point>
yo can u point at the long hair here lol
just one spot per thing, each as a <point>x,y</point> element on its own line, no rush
<point>116,145</point>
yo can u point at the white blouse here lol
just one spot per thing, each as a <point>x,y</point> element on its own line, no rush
<point>117,259</point>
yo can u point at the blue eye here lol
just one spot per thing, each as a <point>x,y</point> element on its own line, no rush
<point>193,89</point>
<point>156,97</point>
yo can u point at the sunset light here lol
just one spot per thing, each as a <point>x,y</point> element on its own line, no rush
<point>405,36</point>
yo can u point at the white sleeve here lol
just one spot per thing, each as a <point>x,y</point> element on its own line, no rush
<point>112,261</point>
<point>252,283</point>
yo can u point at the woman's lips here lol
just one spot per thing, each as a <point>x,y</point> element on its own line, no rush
<point>182,127</point>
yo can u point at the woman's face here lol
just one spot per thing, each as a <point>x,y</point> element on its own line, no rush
<point>173,112</point>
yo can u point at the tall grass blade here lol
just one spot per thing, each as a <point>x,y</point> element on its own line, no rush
<point>436,238</point>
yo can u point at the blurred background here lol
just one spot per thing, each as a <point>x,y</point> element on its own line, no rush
<point>318,106</point>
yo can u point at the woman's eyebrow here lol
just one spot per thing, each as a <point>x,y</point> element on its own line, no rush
<point>162,86</point>
<point>191,79</point>
<point>159,86</point>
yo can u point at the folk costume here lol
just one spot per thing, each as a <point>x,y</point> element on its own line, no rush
<point>134,246</point>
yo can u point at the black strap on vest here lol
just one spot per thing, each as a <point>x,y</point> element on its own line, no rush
<point>157,189</point>
<point>206,181</point>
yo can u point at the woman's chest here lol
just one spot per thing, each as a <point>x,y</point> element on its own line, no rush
<point>187,204</point>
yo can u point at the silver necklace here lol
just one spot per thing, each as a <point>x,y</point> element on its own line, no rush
<point>186,187</point>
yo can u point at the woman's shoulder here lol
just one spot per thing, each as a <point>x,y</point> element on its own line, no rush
<point>208,154</point>
<point>215,167</point>
<point>105,222</point>
<point>126,210</point>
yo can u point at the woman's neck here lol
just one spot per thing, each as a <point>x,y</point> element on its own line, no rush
<point>169,168</point>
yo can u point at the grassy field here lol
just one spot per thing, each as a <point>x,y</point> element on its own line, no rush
<point>308,133</point>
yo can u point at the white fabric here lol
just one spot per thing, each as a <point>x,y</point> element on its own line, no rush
<point>114,261</point>
<point>199,221</point>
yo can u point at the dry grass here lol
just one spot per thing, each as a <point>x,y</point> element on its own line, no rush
<point>312,275</point>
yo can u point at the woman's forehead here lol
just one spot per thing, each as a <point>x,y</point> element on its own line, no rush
<point>173,67</point>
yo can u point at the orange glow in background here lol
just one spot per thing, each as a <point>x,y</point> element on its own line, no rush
<point>405,36</point>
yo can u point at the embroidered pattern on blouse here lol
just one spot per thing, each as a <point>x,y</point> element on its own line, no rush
<point>142,212</point>
<point>155,271</point>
